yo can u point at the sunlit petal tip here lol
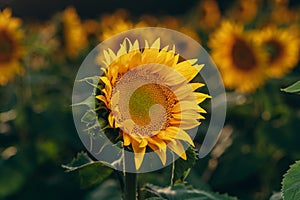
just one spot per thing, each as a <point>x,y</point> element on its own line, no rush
<point>199,67</point>
<point>135,45</point>
<point>139,153</point>
<point>156,44</point>
<point>196,86</point>
<point>112,54</point>
<point>201,110</point>
<point>177,147</point>
<point>146,45</point>
<point>138,159</point>
<point>193,61</point>
<point>165,48</point>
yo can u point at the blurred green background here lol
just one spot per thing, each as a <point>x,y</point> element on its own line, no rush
<point>37,135</point>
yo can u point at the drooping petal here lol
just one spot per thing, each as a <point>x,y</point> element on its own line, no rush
<point>177,147</point>
<point>156,141</point>
<point>179,134</point>
<point>139,153</point>
<point>160,152</point>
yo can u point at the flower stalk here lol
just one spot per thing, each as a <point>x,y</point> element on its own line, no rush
<point>130,186</point>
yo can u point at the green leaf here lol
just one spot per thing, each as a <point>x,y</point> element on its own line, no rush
<point>89,101</point>
<point>90,172</point>
<point>291,183</point>
<point>108,190</point>
<point>180,191</point>
<point>182,167</point>
<point>155,198</point>
<point>295,88</point>
<point>93,80</point>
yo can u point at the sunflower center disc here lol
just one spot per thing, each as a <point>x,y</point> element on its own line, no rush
<point>243,56</point>
<point>145,98</point>
<point>6,46</point>
<point>144,102</point>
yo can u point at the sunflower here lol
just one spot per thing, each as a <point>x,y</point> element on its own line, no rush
<point>244,10</point>
<point>240,60</point>
<point>112,24</point>
<point>150,99</point>
<point>282,47</point>
<point>75,36</point>
<point>10,47</point>
<point>209,14</point>
<point>283,14</point>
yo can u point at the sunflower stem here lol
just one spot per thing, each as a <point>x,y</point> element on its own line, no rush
<point>130,186</point>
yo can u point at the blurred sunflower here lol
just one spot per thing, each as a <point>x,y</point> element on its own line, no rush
<point>176,24</point>
<point>75,36</point>
<point>132,66</point>
<point>10,46</point>
<point>209,15</point>
<point>240,60</point>
<point>282,14</point>
<point>244,10</point>
<point>282,47</point>
<point>112,24</point>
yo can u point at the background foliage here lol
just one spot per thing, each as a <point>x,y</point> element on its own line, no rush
<point>259,142</point>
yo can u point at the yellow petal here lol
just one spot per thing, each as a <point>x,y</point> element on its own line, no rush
<point>177,147</point>
<point>139,153</point>
<point>143,143</point>
<point>185,124</point>
<point>183,91</point>
<point>122,50</point>
<point>184,105</point>
<point>195,86</point>
<point>172,79</point>
<point>111,119</point>
<point>201,110</point>
<point>112,54</point>
<point>201,97</point>
<point>107,84</point>
<point>157,141</point>
<point>107,57</point>
<point>135,46</point>
<point>126,139</point>
<point>160,152</point>
<point>102,98</point>
<point>187,70</point>
<point>179,134</point>
<point>186,115</point>
<point>156,44</point>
